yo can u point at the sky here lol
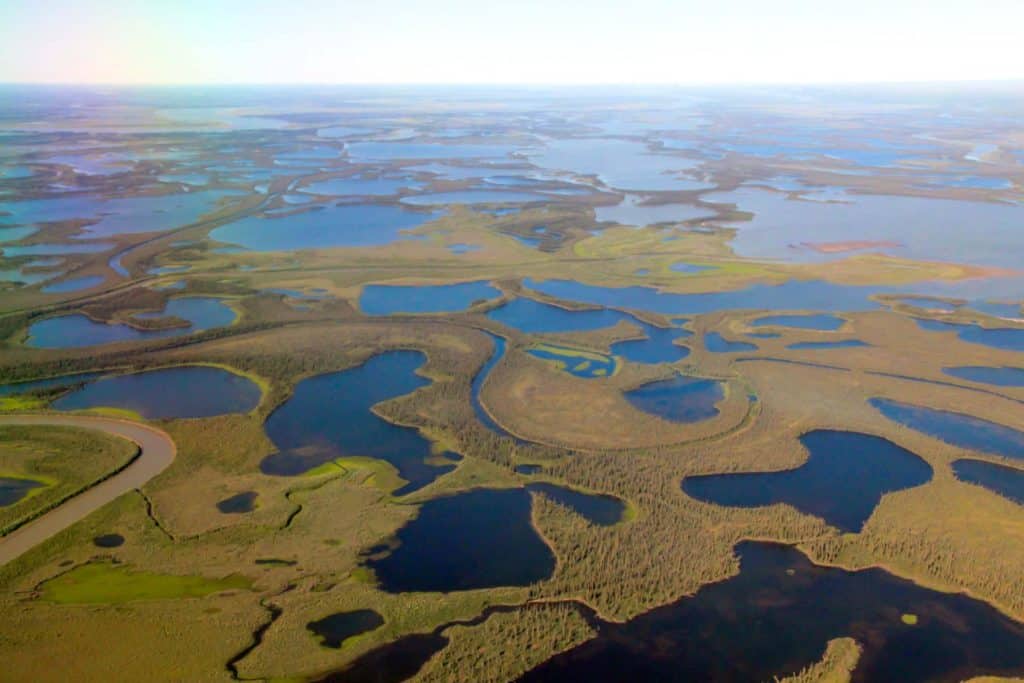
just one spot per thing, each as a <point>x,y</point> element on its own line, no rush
<point>509,41</point>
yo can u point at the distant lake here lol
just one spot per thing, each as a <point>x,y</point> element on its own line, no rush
<point>359,225</point>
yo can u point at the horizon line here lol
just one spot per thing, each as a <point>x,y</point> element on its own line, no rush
<point>523,84</point>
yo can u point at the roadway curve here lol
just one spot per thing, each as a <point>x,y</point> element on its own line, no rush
<point>156,452</point>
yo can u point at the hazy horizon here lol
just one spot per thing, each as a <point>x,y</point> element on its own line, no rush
<point>457,42</point>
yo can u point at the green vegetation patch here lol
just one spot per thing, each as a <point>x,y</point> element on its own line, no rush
<point>113,583</point>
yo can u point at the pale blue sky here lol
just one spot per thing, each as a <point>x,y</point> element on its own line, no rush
<point>509,41</point>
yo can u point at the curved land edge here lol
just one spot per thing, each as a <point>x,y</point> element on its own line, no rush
<point>156,452</point>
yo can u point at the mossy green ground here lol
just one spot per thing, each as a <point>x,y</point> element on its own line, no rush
<point>110,583</point>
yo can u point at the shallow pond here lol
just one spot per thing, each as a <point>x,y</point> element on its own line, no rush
<point>14,489</point>
<point>391,299</point>
<point>1005,481</point>
<point>843,480</point>
<point>963,431</point>
<point>108,541</point>
<point>357,225</point>
<point>680,399</point>
<point>329,417</point>
<point>478,539</point>
<point>238,503</point>
<point>583,364</point>
<point>1000,377</point>
<point>179,392</point>
<point>77,330</point>
<point>335,629</point>
<point>803,322</point>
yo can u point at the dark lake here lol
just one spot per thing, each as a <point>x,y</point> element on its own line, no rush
<point>842,481</point>
<point>996,376</point>
<point>12,489</point>
<point>1008,482</point>
<point>776,617</point>
<point>963,431</point>
<point>329,416</point>
<point>598,509</point>
<point>180,392</point>
<point>76,330</point>
<point>478,539</point>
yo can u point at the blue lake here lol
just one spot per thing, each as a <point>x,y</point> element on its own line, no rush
<point>73,285</point>
<point>631,212</point>
<point>1004,481</point>
<point>716,343</point>
<point>622,164</point>
<point>180,392</point>
<point>534,317</point>
<point>76,330</point>
<point>996,376</point>
<point>391,299</point>
<point>120,216</point>
<point>963,431</point>
<point>473,197</point>
<point>680,399</point>
<point>387,151</point>
<point>658,347</point>
<point>357,186</point>
<point>57,249</point>
<point>793,295</point>
<point>1005,338</point>
<point>329,416</point>
<point>925,229</point>
<point>844,478</point>
<point>844,344</point>
<point>362,225</point>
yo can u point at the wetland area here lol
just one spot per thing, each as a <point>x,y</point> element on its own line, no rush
<point>470,384</point>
